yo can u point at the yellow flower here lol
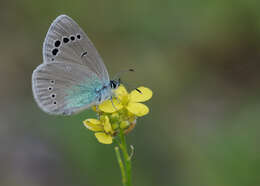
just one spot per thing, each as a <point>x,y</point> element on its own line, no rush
<point>129,101</point>
<point>119,114</point>
<point>103,128</point>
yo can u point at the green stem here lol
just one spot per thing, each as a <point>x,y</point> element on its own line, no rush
<point>127,158</point>
<point>121,165</point>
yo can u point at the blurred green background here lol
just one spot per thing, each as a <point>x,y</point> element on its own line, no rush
<point>200,58</point>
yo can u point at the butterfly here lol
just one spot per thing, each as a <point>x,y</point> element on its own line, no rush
<point>72,76</point>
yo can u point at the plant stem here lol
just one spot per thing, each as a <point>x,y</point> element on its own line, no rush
<point>127,158</point>
<point>121,165</point>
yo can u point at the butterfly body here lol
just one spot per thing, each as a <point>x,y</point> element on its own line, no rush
<point>87,96</point>
<point>72,76</point>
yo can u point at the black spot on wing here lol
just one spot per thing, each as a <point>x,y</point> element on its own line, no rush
<point>72,38</point>
<point>55,51</point>
<point>53,95</point>
<point>65,40</point>
<point>57,43</point>
<point>84,53</point>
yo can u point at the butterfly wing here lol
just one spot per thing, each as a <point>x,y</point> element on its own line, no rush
<point>66,42</point>
<point>65,88</point>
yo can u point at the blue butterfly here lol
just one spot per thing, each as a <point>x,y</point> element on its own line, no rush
<point>72,76</point>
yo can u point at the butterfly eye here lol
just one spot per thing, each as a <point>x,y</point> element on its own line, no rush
<point>54,102</point>
<point>50,88</point>
<point>113,84</point>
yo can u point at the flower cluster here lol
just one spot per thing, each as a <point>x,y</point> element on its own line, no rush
<point>120,113</point>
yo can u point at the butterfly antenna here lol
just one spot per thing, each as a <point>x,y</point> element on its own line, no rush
<point>120,80</point>
<point>130,85</point>
<point>122,72</point>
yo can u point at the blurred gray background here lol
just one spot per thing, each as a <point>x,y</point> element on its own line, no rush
<point>200,58</point>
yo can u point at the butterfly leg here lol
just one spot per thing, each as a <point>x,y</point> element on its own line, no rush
<point>115,96</point>
<point>113,103</point>
<point>97,110</point>
<point>116,99</point>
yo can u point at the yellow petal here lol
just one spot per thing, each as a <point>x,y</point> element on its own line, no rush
<point>94,125</point>
<point>121,91</point>
<point>137,109</point>
<point>107,125</point>
<point>122,95</point>
<point>94,121</point>
<point>142,96</point>
<point>108,107</point>
<point>104,138</point>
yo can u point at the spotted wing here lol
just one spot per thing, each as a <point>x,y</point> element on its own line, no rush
<point>66,42</point>
<point>64,88</point>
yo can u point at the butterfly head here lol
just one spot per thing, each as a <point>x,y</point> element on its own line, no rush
<point>114,84</point>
